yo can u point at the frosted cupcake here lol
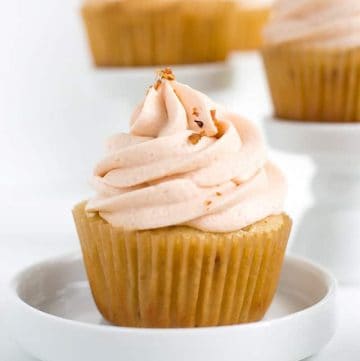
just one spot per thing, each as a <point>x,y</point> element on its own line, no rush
<point>250,18</point>
<point>187,226</point>
<point>312,58</point>
<point>158,32</point>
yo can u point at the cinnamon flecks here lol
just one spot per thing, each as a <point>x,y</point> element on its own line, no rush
<point>218,194</point>
<point>221,129</point>
<point>208,203</point>
<point>166,74</point>
<point>194,138</point>
<point>157,84</point>
<point>220,126</point>
<point>195,112</point>
<point>199,123</point>
<point>163,74</point>
<point>236,182</point>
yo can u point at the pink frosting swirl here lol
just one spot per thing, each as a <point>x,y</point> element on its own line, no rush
<point>323,23</point>
<point>188,162</point>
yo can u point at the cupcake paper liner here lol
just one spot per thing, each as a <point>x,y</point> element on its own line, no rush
<point>179,276</point>
<point>321,85</point>
<point>207,28</point>
<point>138,34</point>
<point>249,23</point>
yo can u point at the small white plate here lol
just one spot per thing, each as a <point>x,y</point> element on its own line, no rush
<point>52,316</point>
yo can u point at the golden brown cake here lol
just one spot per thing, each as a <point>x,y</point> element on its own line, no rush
<point>250,19</point>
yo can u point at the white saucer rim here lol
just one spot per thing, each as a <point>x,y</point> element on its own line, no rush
<point>13,298</point>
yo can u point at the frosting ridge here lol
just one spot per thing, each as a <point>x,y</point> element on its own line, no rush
<point>323,23</point>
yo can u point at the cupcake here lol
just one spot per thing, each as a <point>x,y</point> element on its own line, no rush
<point>250,18</point>
<point>145,33</point>
<point>187,227</point>
<point>312,59</point>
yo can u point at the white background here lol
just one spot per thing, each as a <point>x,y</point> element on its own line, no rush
<point>54,118</point>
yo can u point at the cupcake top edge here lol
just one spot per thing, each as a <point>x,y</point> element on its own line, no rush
<point>146,3</point>
<point>129,5</point>
<point>255,4</point>
<point>320,23</point>
<point>214,9</point>
<point>186,161</point>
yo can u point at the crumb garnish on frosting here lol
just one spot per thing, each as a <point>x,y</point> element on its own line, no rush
<point>220,127</point>
<point>194,138</point>
<point>157,84</point>
<point>195,112</point>
<point>199,123</point>
<point>167,74</point>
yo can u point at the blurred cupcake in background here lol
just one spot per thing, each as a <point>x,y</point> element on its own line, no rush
<point>312,59</point>
<point>145,33</point>
<point>187,227</point>
<point>207,28</point>
<point>250,18</point>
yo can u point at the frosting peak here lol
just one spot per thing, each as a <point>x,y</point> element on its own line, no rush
<point>186,161</point>
<point>169,108</point>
